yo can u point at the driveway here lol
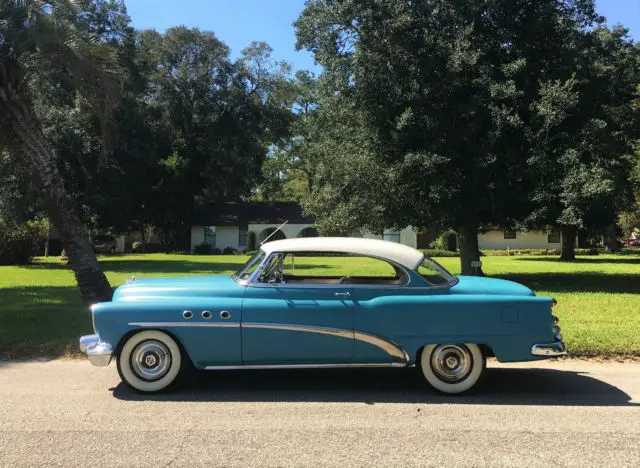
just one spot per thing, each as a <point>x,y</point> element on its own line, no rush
<point>566,413</point>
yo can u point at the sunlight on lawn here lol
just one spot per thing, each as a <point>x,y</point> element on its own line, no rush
<point>599,297</point>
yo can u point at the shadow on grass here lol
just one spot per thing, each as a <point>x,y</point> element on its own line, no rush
<point>501,386</point>
<point>42,321</point>
<point>577,282</point>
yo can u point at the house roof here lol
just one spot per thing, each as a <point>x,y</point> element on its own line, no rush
<point>398,253</point>
<point>243,213</point>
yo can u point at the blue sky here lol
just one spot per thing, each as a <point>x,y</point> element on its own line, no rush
<point>238,22</point>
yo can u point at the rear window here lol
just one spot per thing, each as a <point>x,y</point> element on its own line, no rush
<point>434,273</point>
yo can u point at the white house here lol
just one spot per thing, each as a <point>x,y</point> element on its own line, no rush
<point>227,224</point>
<point>512,239</point>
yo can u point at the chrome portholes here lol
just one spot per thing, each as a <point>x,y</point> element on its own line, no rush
<point>150,360</point>
<point>451,363</point>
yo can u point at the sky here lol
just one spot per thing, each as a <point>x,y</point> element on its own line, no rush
<point>238,22</point>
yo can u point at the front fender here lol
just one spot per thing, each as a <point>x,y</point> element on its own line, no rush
<point>207,341</point>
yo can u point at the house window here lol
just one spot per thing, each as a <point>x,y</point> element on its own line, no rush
<point>391,236</point>
<point>210,235</point>
<point>509,234</point>
<point>553,236</point>
<point>242,235</point>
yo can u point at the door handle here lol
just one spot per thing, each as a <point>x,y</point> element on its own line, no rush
<point>344,294</point>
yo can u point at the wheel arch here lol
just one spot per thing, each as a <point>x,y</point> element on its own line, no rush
<point>487,351</point>
<point>135,331</point>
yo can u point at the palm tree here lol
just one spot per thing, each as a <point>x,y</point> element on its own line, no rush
<point>45,40</point>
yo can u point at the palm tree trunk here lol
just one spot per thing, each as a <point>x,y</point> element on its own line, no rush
<point>30,148</point>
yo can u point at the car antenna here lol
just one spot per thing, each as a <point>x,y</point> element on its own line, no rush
<point>276,230</point>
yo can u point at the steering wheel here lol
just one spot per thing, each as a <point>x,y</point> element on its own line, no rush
<point>345,279</point>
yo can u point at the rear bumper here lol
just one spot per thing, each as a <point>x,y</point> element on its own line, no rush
<point>556,348</point>
<point>98,352</point>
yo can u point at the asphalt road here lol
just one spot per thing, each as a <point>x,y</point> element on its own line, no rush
<point>571,413</point>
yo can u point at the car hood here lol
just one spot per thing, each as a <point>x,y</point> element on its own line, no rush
<point>481,285</point>
<point>192,286</point>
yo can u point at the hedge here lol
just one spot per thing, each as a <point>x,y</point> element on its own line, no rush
<point>510,252</point>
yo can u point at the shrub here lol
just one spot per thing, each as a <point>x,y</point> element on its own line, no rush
<point>229,251</point>
<point>591,251</point>
<point>215,251</point>
<point>20,242</point>
<point>439,253</point>
<point>203,249</point>
<point>446,241</point>
<point>516,252</point>
<point>251,241</point>
<point>137,247</point>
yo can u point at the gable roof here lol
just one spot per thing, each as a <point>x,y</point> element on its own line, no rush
<point>243,213</point>
<point>398,253</point>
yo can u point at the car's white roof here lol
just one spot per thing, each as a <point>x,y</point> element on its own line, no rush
<point>392,251</point>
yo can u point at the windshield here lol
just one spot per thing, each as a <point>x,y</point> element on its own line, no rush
<point>434,273</point>
<point>244,273</point>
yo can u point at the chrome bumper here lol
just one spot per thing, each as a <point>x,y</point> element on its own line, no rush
<point>551,349</point>
<point>98,352</point>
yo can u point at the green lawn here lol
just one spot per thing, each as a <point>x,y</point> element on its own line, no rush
<point>599,297</point>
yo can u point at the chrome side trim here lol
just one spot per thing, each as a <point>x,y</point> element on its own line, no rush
<point>185,324</point>
<point>301,328</point>
<point>398,355</point>
<point>302,366</point>
<point>551,349</point>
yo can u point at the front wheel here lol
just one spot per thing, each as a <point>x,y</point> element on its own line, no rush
<point>149,361</point>
<point>452,368</point>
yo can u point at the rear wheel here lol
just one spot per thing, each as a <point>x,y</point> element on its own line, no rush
<point>452,368</point>
<point>149,361</point>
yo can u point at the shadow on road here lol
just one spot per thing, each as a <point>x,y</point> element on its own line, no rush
<point>501,386</point>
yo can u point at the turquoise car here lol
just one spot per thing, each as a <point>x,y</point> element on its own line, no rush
<point>318,303</point>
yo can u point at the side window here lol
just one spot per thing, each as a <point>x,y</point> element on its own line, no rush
<point>338,268</point>
<point>272,271</point>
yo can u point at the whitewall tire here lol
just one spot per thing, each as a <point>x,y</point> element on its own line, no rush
<point>149,361</point>
<point>452,368</point>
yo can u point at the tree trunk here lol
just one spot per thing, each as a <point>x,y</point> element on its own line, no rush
<point>30,147</point>
<point>568,252</point>
<point>469,251</point>
<point>611,238</point>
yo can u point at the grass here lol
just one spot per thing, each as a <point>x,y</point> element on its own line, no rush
<point>41,313</point>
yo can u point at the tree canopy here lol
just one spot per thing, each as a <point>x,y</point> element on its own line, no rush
<point>448,102</point>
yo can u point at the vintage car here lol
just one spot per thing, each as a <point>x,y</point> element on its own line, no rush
<point>318,303</point>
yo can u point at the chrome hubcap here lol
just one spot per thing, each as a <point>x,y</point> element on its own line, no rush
<point>451,363</point>
<point>151,360</point>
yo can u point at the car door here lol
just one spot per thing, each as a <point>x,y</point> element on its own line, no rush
<point>284,323</point>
